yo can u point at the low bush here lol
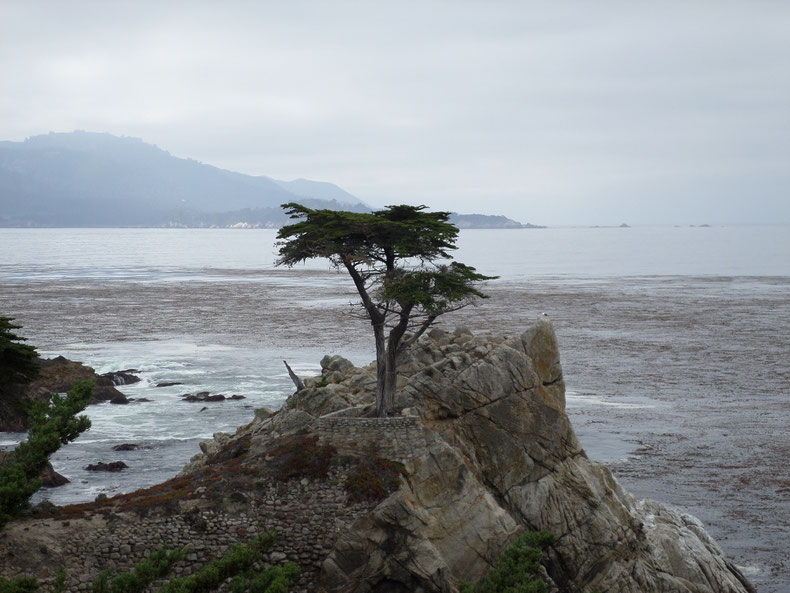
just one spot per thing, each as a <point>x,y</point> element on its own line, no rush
<point>237,564</point>
<point>23,585</point>
<point>516,570</point>
<point>156,566</point>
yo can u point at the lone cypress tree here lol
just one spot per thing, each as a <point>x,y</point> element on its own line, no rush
<point>18,362</point>
<point>394,257</point>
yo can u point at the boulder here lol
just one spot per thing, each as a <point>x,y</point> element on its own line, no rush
<point>52,479</point>
<point>125,377</point>
<point>113,466</point>
<point>57,375</point>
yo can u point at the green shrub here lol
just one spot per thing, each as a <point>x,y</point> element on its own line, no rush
<point>237,565</point>
<point>156,566</point>
<point>60,581</point>
<point>53,422</point>
<point>517,568</point>
<point>23,585</point>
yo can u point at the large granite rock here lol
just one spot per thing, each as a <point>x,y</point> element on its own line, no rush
<point>505,442</point>
<point>498,456</point>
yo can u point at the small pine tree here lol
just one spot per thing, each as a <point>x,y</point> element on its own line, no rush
<point>18,362</point>
<point>53,422</point>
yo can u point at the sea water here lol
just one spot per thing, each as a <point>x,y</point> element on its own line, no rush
<point>674,343</point>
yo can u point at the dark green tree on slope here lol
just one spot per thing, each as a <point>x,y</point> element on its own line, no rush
<point>394,256</point>
<point>18,362</point>
<point>53,422</point>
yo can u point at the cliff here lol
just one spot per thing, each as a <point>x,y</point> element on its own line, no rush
<point>486,452</point>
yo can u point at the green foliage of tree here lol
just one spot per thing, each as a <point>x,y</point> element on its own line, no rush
<point>18,362</point>
<point>21,585</point>
<point>60,580</point>
<point>237,564</point>
<point>394,257</point>
<point>137,580</point>
<point>53,422</point>
<point>516,570</point>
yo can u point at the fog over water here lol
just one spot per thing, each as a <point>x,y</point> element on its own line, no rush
<point>674,345</point>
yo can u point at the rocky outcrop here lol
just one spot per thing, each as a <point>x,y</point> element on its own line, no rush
<point>57,375</point>
<point>486,450</point>
<point>499,456</point>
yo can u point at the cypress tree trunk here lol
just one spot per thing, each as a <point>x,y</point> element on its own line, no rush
<point>381,367</point>
<point>390,380</point>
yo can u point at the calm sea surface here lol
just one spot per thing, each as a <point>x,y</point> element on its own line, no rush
<point>675,345</point>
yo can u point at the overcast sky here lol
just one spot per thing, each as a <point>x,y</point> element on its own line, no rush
<point>589,112</point>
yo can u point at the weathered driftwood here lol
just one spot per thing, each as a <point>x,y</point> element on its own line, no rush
<point>295,378</point>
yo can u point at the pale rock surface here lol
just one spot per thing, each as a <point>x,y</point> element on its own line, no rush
<point>500,456</point>
<point>505,441</point>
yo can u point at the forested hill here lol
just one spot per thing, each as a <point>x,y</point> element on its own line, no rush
<point>89,179</point>
<point>85,179</point>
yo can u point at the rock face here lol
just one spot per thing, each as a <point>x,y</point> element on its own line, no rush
<point>487,451</point>
<point>499,456</point>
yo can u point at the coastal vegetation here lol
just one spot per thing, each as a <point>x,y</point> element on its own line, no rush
<point>517,569</point>
<point>53,422</point>
<point>243,564</point>
<point>18,361</point>
<point>395,259</point>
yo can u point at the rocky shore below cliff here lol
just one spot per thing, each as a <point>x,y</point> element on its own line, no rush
<point>482,450</point>
<point>57,375</point>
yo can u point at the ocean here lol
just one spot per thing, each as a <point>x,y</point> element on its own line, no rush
<point>674,342</point>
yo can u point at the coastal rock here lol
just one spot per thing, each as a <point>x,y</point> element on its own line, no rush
<point>484,450</point>
<point>499,405</point>
<point>57,375</point>
<point>204,396</point>
<point>113,466</point>
<point>125,377</point>
<point>52,479</point>
<point>441,523</point>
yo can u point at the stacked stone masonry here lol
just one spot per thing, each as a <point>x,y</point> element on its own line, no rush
<point>400,438</point>
<point>307,516</point>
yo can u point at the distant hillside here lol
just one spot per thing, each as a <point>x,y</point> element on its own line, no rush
<point>89,179</point>
<point>485,221</point>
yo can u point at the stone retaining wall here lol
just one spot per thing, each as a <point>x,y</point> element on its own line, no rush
<point>401,438</point>
<point>306,515</point>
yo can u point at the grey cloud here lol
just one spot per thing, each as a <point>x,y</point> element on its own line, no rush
<point>558,113</point>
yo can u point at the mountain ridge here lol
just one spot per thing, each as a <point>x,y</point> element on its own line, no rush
<point>90,179</point>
